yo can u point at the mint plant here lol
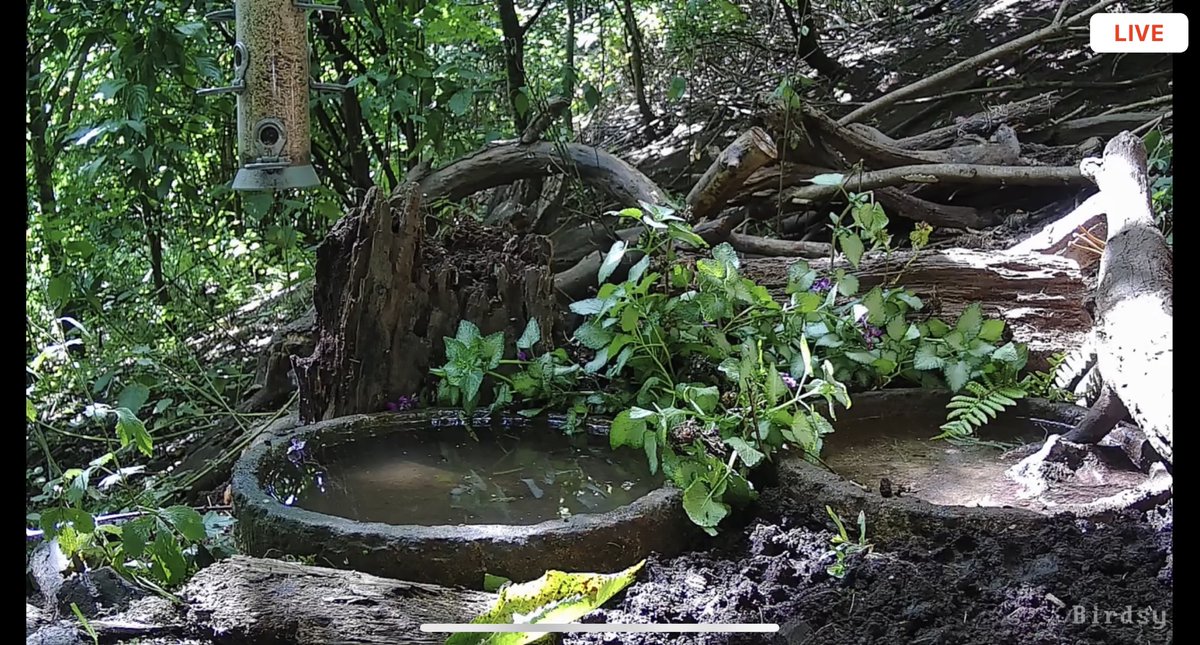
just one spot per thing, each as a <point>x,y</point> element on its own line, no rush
<point>708,375</point>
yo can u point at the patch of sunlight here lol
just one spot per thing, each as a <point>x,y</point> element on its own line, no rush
<point>997,7</point>
<point>880,50</point>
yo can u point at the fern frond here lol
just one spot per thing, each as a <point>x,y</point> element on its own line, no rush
<point>968,412</point>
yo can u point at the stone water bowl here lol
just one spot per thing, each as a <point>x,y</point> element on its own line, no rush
<point>415,496</point>
<point>882,459</point>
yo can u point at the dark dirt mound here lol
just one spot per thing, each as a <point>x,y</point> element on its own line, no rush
<point>1052,586</point>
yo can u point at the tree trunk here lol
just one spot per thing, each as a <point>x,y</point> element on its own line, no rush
<point>385,297</point>
<point>1134,311</point>
<point>637,70</point>
<point>807,46</point>
<point>569,78</point>
<point>514,61</point>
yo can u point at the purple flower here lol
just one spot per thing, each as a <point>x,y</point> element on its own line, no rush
<point>870,333</point>
<point>821,285</point>
<point>522,355</point>
<point>295,451</point>
<point>788,380</point>
<point>402,403</point>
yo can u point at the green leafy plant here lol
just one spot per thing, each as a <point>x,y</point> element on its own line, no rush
<point>1041,384</point>
<point>556,598</point>
<point>1162,187</point>
<point>843,546</point>
<point>709,376</point>
<point>982,402</point>
<point>86,624</point>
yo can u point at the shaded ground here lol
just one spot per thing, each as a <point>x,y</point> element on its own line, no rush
<point>1050,586</point>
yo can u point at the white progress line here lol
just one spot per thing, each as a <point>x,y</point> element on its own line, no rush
<point>763,628</point>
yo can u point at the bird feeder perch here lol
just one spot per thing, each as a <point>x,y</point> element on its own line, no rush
<point>272,82</point>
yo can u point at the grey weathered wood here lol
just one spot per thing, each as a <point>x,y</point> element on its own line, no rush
<point>1134,313</point>
<point>251,600</point>
<point>505,163</point>
<point>1041,298</point>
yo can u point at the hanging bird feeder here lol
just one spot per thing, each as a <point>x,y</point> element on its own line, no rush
<point>272,82</point>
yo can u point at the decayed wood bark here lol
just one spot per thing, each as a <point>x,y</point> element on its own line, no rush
<point>250,600</point>
<point>505,163</point>
<point>1017,115</point>
<point>749,152</point>
<point>384,302</point>
<point>1039,297</point>
<point>1056,237</point>
<point>1134,312</point>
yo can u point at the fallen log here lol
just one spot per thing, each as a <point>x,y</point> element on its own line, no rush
<point>749,152</point>
<point>503,164</point>
<point>1018,115</point>
<point>1057,237</point>
<point>1134,312</point>
<point>252,600</point>
<point>1041,298</point>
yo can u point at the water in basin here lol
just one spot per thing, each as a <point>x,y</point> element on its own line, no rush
<point>897,451</point>
<point>447,476</point>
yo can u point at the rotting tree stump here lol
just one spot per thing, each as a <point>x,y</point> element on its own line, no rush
<point>386,295</point>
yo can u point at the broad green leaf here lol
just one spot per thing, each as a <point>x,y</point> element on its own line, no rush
<point>471,381</point>
<point>636,271</point>
<point>597,362</point>
<point>591,95</point>
<point>727,257</point>
<point>852,246</point>
<point>185,520</point>
<point>492,348</point>
<point>588,307</point>
<point>468,333</point>
<point>629,319</point>
<point>957,374</point>
<point>876,310</point>
<point>593,336</point>
<point>130,429</point>
<point>30,411</point>
<point>749,455</point>
<point>700,506</point>
<point>678,87</point>
<point>1007,354</point>
<point>626,431</point>
<point>926,358</point>
<point>866,358</point>
<point>970,321</point>
<point>611,260</point>
<point>554,598</point>
<point>168,557</point>
<point>909,299</point>
<point>937,328</point>
<point>848,285</point>
<point>133,396</point>
<point>493,583</point>
<point>460,102</point>
<point>991,330</point>
<point>531,335</point>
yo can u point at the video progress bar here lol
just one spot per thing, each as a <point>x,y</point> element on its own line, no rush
<point>761,628</point>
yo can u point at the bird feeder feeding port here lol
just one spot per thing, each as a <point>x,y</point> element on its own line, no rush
<point>272,82</point>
